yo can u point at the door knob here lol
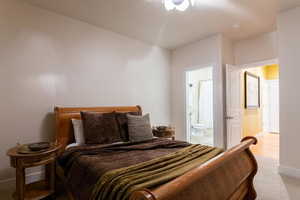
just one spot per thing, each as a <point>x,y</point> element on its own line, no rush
<point>229,117</point>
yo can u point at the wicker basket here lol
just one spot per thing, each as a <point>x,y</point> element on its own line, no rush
<point>163,133</point>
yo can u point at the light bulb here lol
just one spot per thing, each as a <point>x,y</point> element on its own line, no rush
<point>180,5</point>
<point>177,2</point>
<point>169,5</point>
<point>183,6</point>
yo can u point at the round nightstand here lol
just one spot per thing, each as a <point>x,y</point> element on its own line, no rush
<point>36,190</point>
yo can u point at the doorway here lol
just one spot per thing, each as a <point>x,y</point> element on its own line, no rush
<point>199,106</point>
<point>263,121</point>
<point>256,109</point>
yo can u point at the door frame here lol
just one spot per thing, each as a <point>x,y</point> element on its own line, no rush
<point>272,83</point>
<point>260,63</point>
<point>194,68</point>
<point>253,65</point>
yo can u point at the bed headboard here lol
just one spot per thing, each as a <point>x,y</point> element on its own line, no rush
<point>63,115</point>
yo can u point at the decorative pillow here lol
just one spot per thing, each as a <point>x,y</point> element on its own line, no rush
<point>100,128</point>
<point>123,124</point>
<point>78,131</point>
<point>139,128</point>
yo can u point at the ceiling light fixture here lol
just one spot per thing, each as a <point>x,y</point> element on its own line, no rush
<point>180,5</point>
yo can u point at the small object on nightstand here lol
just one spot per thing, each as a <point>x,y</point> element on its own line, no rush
<point>22,157</point>
<point>164,132</point>
<point>40,146</point>
<point>33,148</point>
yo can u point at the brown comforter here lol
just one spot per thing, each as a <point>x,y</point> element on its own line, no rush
<point>84,165</point>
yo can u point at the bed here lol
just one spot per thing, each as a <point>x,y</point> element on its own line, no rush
<point>228,176</point>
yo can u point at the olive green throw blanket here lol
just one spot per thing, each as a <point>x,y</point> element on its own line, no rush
<point>120,183</point>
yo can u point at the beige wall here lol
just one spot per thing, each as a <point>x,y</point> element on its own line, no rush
<point>47,60</point>
<point>256,49</point>
<point>203,53</point>
<point>289,48</point>
<point>228,55</point>
<point>216,50</point>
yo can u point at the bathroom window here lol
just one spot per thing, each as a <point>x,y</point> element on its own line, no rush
<point>199,106</point>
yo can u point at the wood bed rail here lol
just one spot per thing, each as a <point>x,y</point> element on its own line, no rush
<point>229,176</point>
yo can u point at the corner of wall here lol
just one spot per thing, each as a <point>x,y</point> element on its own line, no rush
<point>289,171</point>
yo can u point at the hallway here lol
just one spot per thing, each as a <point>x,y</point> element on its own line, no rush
<point>271,185</point>
<point>268,146</point>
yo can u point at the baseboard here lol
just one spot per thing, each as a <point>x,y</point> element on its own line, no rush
<point>32,177</point>
<point>289,171</point>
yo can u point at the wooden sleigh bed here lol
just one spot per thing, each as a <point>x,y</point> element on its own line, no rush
<point>228,176</point>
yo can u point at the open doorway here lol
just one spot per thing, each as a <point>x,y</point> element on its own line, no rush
<point>199,106</point>
<point>252,107</point>
<point>262,121</point>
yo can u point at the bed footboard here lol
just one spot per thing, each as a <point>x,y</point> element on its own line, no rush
<point>226,177</point>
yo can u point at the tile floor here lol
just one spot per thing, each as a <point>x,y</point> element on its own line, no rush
<point>272,186</point>
<point>269,184</point>
<point>204,137</point>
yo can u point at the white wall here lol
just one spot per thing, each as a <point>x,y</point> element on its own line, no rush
<point>47,60</point>
<point>289,54</point>
<point>204,53</point>
<point>256,49</point>
<point>200,75</point>
<point>228,56</point>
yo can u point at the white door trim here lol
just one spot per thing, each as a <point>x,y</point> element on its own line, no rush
<point>215,96</point>
<point>260,63</point>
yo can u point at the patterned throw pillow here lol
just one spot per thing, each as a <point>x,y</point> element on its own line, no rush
<point>139,128</point>
<point>123,124</point>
